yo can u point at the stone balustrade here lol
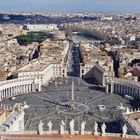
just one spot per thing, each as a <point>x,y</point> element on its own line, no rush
<point>117,135</point>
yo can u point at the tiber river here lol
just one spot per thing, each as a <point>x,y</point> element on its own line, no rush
<point>82,37</point>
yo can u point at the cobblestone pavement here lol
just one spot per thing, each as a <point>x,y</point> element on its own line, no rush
<point>54,103</point>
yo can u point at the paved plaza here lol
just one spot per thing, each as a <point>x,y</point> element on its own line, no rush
<point>54,103</point>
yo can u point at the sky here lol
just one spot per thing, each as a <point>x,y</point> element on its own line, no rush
<point>70,5</point>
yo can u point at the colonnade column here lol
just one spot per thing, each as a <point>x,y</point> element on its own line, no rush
<point>33,87</point>
<point>24,90</point>
<point>121,89</point>
<point>126,89</point>
<point>0,95</point>
<point>112,87</point>
<point>21,89</point>
<point>29,88</point>
<point>130,90</point>
<point>39,86</point>
<point>133,92</point>
<point>6,92</point>
<point>116,88</point>
<point>10,91</point>
<point>18,89</point>
<point>13,91</point>
<point>25,87</point>
<point>138,94</point>
<point>107,88</point>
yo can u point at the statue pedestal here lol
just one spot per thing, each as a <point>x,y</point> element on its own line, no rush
<point>124,135</point>
<point>96,133</point>
<point>104,134</point>
<point>72,132</point>
<point>41,132</point>
<point>49,132</point>
<point>82,133</point>
<point>62,132</point>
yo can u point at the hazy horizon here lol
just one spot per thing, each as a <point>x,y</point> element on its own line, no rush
<point>70,5</point>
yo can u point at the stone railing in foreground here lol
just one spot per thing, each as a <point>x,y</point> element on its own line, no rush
<point>71,131</point>
<point>15,87</point>
<point>87,133</point>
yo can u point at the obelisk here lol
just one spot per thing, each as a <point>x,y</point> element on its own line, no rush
<point>72,91</point>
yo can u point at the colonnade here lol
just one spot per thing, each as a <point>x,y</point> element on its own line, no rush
<point>11,88</point>
<point>123,87</point>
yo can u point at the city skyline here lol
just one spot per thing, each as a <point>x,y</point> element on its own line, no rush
<point>70,6</point>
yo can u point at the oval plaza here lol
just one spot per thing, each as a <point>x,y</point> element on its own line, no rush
<point>61,98</point>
